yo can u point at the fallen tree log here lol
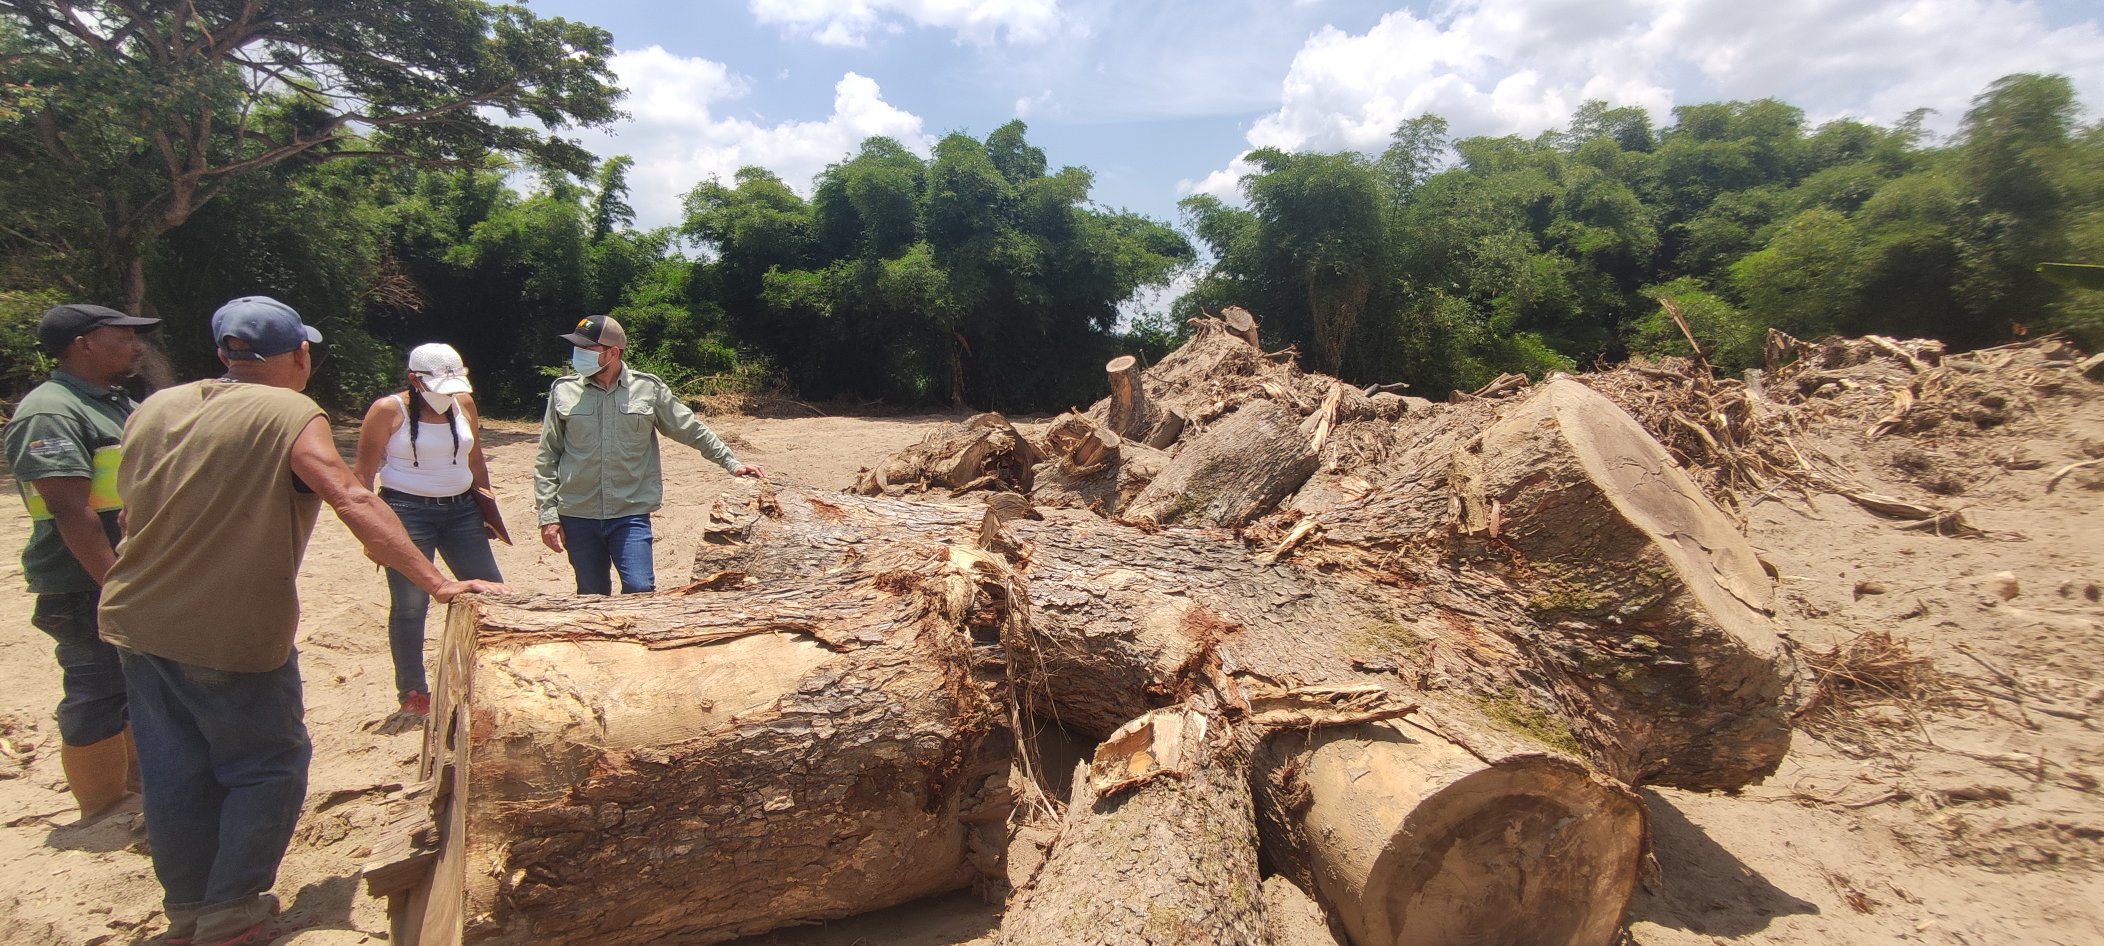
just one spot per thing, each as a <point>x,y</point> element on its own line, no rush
<point>1168,812</point>
<point>1412,839</point>
<point>1627,554</point>
<point>651,769</point>
<point>1235,471</point>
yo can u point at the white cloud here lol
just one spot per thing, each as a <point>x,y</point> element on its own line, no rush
<point>678,139</point>
<point>850,22</point>
<point>1494,67</point>
<point>1031,103</point>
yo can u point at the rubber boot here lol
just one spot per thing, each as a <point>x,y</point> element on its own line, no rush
<point>96,774</point>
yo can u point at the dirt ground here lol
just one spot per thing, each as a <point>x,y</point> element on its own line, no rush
<point>1971,815</point>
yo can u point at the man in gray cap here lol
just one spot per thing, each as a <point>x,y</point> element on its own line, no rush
<point>596,478</point>
<point>222,486</point>
<point>63,445</point>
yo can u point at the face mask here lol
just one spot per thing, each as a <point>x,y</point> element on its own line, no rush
<point>439,402</point>
<point>584,362</point>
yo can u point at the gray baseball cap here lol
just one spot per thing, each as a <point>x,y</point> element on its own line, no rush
<point>269,328</point>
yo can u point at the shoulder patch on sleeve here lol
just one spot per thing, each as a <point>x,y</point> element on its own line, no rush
<point>52,447</point>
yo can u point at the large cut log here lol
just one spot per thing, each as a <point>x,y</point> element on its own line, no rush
<point>699,768</point>
<point>1412,839</point>
<point>1646,579</point>
<point>1630,599</point>
<point>1168,814</point>
<point>1237,470</point>
<point>983,451</point>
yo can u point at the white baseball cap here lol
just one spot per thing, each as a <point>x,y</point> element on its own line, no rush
<point>441,368</point>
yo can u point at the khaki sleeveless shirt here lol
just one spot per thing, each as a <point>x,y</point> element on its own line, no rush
<point>216,527</point>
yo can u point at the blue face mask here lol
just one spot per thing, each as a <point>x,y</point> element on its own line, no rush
<point>584,361</point>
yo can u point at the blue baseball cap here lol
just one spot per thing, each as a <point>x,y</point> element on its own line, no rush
<point>267,326</point>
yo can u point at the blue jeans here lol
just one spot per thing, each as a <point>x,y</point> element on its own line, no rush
<point>454,530</point>
<point>223,758</point>
<point>93,705</point>
<point>622,544</point>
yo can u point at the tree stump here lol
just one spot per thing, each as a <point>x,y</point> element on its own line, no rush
<point>1131,415</point>
<point>1241,324</point>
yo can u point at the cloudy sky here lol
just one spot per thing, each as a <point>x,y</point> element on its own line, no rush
<point>1159,97</point>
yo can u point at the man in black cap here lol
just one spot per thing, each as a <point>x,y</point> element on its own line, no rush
<point>63,447</point>
<point>596,478</point>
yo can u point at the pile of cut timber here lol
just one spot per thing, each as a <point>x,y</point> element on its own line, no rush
<point>1409,658</point>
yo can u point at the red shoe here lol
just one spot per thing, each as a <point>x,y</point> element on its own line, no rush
<point>417,704</point>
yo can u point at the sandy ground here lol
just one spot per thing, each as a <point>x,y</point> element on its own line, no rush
<point>1977,821</point>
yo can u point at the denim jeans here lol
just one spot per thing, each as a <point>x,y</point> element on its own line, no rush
<point>223,758</point>
<point>454,531</point>
<point>622,544</point>
<point>92,707</point>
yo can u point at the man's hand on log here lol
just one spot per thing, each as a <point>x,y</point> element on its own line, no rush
<point>447,591</point>
<point>750,469</point>
<point>552,536</point>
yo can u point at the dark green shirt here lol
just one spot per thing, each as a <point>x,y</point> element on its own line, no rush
<point>66,427</point>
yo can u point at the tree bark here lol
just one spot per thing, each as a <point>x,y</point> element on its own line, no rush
<point>1169,815</point>
<point>1237,470</point>
<point>1670,669</point>
<point>650,769</point>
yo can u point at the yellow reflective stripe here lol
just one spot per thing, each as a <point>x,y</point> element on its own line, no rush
<point>102,489</point>
<point>102,486</point>
<point>35,501</point>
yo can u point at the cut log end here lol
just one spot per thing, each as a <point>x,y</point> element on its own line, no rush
<point>1241,324</point>
<point>1412,840</point>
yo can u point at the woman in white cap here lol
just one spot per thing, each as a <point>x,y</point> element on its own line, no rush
<point>424,446</point>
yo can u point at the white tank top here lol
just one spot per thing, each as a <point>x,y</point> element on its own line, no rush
<point>435,468</point>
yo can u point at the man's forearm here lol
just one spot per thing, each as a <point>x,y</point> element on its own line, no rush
<point>380,532</point>
<point>81,530</point>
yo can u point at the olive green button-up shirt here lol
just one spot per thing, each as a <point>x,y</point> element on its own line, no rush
<point>66,427</point>
<point>599,454</point>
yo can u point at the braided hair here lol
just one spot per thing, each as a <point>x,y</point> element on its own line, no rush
<point>415,422</point>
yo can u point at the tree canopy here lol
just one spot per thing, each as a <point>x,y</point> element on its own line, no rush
<point>121,120</point>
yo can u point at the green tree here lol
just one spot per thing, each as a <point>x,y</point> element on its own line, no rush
<point>148,112</point>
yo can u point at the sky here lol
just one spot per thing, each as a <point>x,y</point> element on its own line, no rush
<point>1160,98</point>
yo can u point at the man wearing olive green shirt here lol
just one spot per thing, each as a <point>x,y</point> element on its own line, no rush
<point>63,447</point>
<point>596,478</point>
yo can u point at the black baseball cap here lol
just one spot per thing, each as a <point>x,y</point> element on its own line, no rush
<point>60,325</point>
<point>598,330</point>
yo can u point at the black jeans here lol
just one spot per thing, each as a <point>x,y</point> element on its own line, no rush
<point>94,706</point>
